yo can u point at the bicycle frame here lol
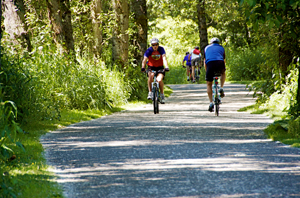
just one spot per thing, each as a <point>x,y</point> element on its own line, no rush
<point>216,95</point>
<point>155,93</point>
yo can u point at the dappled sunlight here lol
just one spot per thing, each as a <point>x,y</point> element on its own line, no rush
<point>237,163</point>
<point>183,149</point>
<point>78,144</point>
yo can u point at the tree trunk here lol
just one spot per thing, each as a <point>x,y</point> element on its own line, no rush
<point>298,90</point>
<point>120,40</point>
<point>0,33</point>
<point>96,9</point>
<point>285,55</point>
<point>0,29</point>
<point>139,40</point>
<point>14,22</point>
<point>60,19</point>
<point>67,25</point>
<point>202,25</point>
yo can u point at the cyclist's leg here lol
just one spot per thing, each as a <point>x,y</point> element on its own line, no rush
<point>209,90</point>
<point>223,78</point>
<point>188,72</point>
<point>193,72</point>
<point>209,79</point>
<point>150,80</point>
<point>193,69</point>
<point>159,79</point>
<point>198,66</point>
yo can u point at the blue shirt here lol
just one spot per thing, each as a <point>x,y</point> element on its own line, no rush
<point>150,50</point>
<point>188,62</point>
<point>214,52</point>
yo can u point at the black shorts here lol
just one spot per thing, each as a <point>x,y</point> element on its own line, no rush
<point>159,69</point>
<point>214,68</point>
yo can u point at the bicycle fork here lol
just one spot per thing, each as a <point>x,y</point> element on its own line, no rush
<point>155,88</point>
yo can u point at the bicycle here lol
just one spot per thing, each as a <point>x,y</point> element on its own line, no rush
<point>155,93</point>
<point>197,71</point>
<point>216,94</point>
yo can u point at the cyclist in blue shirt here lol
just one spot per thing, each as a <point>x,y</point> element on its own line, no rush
<point>188,64</point>
<point>214,62</point>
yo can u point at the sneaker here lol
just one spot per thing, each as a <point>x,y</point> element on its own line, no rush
<point>149,96</point>
<point>211,107</point>
<point>194,81</point>
<point>162,98</point>
<point>188,79</point>
<point>222,93</point>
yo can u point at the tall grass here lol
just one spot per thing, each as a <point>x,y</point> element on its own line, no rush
<point>49,82</point>
<point>249,63</point>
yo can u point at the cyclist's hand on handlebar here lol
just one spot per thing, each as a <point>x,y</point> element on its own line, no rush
<point>167,69</point>
<point>143,70</point>
<point>183,66</point>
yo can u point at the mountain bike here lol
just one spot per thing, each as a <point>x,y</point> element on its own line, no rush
<point>155,93</point>
<point>216,94</point>
<point>197,71</point>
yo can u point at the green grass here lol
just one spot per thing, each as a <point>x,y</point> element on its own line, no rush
<point>280,130</point>
<point>27,174</point>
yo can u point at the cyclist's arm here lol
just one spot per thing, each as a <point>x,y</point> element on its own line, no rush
<point>165,60</point>
<point>204,64</point>
<point>144,61</point>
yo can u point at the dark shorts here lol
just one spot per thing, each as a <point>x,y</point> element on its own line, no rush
<point>196,60</point>
<point>159,69</point>
<point>214,68</point>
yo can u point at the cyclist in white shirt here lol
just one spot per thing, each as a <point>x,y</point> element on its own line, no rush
<point>195,57</point>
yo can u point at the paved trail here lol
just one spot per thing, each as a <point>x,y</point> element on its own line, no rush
<point>184,151</point>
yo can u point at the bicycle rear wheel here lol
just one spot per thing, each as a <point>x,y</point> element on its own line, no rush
<point>217,109</point>
<point>155,100</point>
<point>217,103</point>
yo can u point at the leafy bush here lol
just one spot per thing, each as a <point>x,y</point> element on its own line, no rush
<point>8,132</point>
<point>294,127</point>
<point>248,64</point>
<point>285,97</point>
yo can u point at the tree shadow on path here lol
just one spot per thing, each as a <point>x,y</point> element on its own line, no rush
<point>184,151</point>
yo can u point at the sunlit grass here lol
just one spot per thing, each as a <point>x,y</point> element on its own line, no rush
<point>278,131</point>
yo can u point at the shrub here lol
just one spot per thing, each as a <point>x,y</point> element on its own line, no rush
<point>248,64</point>
<point>285,97</point>
<point>294,127</point>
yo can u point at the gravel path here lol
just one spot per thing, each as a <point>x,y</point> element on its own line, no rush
<point>184,151</point>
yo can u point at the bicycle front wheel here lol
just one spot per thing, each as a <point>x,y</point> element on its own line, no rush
<point>155,100</point>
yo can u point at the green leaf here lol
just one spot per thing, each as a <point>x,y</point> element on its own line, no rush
<point>277,23</point>
<point>279,18</point>
<point>6,148</point>
<point>19,144</point>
